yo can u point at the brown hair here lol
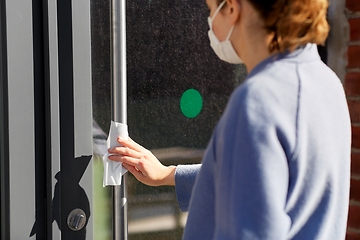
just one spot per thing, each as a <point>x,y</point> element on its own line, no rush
<point>294,22</point>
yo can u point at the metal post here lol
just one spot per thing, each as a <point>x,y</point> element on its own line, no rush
<point>119,111</point>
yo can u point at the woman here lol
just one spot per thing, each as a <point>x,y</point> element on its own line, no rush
<point>278,163</point>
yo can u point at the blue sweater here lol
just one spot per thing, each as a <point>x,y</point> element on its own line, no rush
<point>278,163</point>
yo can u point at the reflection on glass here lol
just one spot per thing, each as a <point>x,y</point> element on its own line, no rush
<point>168,54</point>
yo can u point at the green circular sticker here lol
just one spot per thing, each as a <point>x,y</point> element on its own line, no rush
<point>191,103</point>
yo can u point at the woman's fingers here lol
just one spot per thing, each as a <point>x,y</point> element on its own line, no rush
<point>125,159</point>
<point>142,163</point>
<point>134,171</point>
<point>130,144</point>
<point>125,151</point>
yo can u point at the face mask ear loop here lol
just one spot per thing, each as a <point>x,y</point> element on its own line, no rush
<point>230,32</point>
<point>218,9</point>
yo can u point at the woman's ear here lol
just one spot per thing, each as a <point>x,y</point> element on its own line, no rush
<point>234,10</point>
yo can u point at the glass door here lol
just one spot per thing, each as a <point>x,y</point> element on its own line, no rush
<point>177,90</point>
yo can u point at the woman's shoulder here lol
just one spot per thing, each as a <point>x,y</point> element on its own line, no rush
<point>277,82</point>
<point>269,97</point>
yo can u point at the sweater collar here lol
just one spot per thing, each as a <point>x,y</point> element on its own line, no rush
<point>305,53</point>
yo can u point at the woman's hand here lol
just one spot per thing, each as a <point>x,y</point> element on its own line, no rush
<point>142,164</point>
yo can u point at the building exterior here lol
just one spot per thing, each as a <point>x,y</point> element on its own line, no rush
<point>352,89</point>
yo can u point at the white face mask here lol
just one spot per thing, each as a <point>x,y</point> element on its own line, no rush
<point>224,50</point>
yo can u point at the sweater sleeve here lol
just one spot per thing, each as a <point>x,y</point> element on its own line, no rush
<point>251,168</point>
<point>185,176</point>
